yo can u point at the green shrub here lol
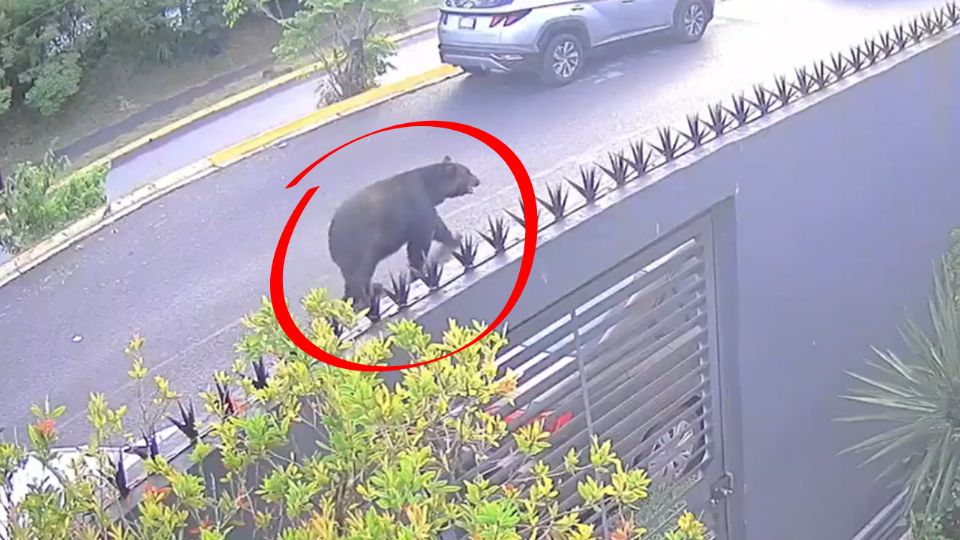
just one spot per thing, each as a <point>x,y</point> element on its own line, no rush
<point>940,524</point>
<point>359,48</point>
<point>34,209</point>
<point>52,82</point>
<point>919,397</point>
<point>314,452</point>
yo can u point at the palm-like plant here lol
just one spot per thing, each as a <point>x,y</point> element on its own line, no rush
<point>920,396</point>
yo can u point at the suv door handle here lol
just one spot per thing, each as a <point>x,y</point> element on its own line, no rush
<point>626,1</point>
<point>578,7</point>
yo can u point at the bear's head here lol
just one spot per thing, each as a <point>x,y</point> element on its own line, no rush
<point>450,180</point>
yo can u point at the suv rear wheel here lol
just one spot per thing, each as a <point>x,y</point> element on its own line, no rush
<point>562,59</point>
<point>690,20</point>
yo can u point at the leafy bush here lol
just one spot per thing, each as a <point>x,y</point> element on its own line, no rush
<point>920,397</point>
<point>313,452</point>
<point>34,211</point>
<point>942,524</point>
<point>52,83</point>
<point>358,49</point>
<point>48,44</point>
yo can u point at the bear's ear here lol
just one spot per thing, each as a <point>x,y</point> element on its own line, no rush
<point>446,159</point>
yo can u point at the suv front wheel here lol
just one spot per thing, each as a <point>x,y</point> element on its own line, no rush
<point>562,59</point>
<point>690,20</point>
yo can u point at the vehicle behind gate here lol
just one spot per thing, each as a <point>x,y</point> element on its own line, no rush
<point>552,37</point>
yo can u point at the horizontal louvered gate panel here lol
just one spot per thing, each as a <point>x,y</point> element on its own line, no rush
<point>889,523</point>
<point>629,357</point>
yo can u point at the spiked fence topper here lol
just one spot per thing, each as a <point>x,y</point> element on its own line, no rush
<point>431,273</point>
<point>399,289</point>
<point>497,234</point>
<point>785,91</point>
<point>519,217</point>
<point>259,379</point>
<point>374,311</point>
<point>641,158</point>
<point>619,168</point>
<point>187,424</point>
<point>556,202</point>
<point>589,186</point>
<point>695,134</point>
<point>466,252</point>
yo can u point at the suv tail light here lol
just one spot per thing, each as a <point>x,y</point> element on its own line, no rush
<point>508,18</point>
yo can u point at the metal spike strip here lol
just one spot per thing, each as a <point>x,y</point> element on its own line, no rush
<point>589,186</point>
<point>466,252</point>
<point>497,234</point>
<point>399,289</point>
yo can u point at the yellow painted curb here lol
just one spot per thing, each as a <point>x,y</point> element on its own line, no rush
<point>332,112</point>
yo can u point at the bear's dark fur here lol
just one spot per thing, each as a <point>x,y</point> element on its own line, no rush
<point>383,217</point>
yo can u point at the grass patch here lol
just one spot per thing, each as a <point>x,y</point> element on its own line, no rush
<point>34,212</point>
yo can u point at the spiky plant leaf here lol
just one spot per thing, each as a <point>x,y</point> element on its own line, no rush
<point>920,397</point>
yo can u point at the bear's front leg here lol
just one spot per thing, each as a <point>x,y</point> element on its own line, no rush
<point>442,234</point>
<point>418,245</point>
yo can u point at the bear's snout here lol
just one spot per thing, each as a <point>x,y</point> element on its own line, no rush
<point>474,183</point>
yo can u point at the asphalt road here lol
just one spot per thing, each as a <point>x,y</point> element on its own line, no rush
<point>184,269</point>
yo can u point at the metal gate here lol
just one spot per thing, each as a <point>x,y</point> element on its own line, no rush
<point>632,357</point>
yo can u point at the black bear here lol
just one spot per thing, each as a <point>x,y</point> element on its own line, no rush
<point>383,217</point>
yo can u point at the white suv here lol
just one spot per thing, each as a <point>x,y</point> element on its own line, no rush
<point>551,37</point>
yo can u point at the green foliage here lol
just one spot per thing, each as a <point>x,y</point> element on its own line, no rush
<point>47,45</point>
<point>157,29</point>
<point>940,525</point>
<point>321,453</point>
<point>52,83</point>
<point>953,261</point>
<point>34,211</point>
<point>919,396</point>
<point>347,36</point>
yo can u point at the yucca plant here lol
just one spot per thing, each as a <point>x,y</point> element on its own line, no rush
<point>920,396</point>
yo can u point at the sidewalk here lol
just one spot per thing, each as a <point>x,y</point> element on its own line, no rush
<point>416,55</point>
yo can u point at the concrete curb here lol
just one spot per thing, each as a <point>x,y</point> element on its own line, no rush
<point>141,196</point>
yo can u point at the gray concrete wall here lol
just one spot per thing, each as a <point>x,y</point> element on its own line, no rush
<point>838,222</point>
<point>838,206</point>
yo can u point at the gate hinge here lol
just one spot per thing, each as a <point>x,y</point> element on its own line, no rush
<point>722,488</point>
